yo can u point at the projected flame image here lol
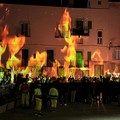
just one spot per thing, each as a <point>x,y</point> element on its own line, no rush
<point>74,64</point>
<point>60,59</point>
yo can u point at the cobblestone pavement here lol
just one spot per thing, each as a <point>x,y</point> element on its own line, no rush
<point>73,111</point>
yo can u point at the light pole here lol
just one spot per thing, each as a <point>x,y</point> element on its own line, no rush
<point>61,3</point>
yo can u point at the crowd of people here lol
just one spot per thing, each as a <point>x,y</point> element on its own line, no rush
<point>46,93</point>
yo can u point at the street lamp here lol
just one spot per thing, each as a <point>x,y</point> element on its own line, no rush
<point>110,44</point>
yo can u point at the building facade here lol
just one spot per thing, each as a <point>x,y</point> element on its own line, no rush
<point>97,27</point>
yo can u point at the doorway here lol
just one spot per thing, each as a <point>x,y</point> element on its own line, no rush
<point>98,70</point>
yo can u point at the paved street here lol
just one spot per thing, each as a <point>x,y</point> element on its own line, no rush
<point>73,111</point>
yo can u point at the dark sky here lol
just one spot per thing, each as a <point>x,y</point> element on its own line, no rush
<point>115,0</point>
<point>49,2</point>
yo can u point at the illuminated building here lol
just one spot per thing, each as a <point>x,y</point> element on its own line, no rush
<point>95,29</point>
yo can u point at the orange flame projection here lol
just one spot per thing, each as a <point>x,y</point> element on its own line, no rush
<point>96,56</point>
<point>70,58</point>
<point>37,63</point>
<point>13,61</point>
<point>4,42</point>
<point>34,65</point>
<point>4,32</point>
<point>54,69</point>
<point>65,24</point>
<point>116,70</point>
<point>65,29</point>
<point>24,71</point>
<point>39,60</point>
<point>15,44</point>
<point>71,52</point>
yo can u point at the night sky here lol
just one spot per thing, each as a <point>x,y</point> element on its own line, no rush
<point>115,0</point>
<point>50,2</point>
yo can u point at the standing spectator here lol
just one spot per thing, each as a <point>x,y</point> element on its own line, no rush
<point>24,88</point>
<point>7,77</point>
<point>106,91</point>
<point>63,91</point>
<point>118,84</point>
<point>53,94</point>
<point>72,90</point>
<point>37,97</point>
<point>31,92</point>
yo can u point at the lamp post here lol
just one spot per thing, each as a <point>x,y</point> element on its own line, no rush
<point>61,3</point>
<point>110,44</point>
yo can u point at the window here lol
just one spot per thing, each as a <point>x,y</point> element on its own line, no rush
<point>99,2</point>
<point>79,58</point>
<point>80,3</point>
<point>25,29</point>
<point>99,40</point>
<point>89,24</point>
<point>98,70</point>
<point>25,55</point>
<point>89,55</point>
<point>116,55</point>
<point>88,3</point>
<point>99,33</point>
<point>99,37</point>
<point>79,24</point>
<point>50,58</point>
